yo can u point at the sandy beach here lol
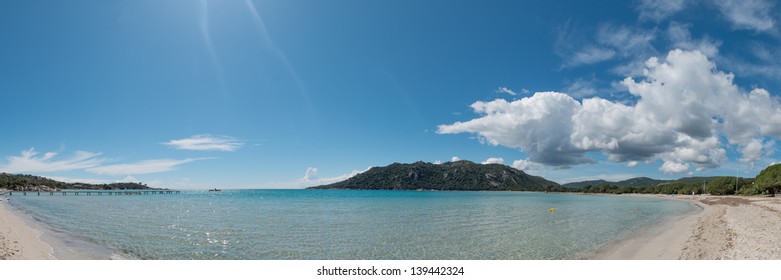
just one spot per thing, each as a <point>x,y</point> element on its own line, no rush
<point>18,241</point>
<point>727,228</point>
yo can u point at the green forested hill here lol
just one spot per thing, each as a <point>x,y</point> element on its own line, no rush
<point>460,175</point>
<point>638,182</point>
<point>633,182</point>
<point>19,182</point>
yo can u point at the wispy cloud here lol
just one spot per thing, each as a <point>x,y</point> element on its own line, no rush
<point>747,14</point>
<point>581,88</point>
<point>206,142</point>
<point>80,180</point>
<point>141,167</point>
<point>31,161</point>
<point>506,90</point>
<point>128,179</point>
<point>611,42</point>
<point>680,37</point>
<point>765,63</point>
<point>590,55</point>
<point>626,40</point>
<point>659,9</point>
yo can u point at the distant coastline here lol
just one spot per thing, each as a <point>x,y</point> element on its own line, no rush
<point>465,175</point>
<point>31,183</point>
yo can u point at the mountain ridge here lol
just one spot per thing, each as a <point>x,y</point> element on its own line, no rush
<point>459,175</point>
<point>640,182</point>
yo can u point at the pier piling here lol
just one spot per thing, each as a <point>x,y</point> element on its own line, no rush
<point>99,193</point>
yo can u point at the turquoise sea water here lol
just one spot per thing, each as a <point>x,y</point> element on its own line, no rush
<point>341,224</point>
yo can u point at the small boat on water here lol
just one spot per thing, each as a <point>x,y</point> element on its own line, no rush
<point>215,190</point>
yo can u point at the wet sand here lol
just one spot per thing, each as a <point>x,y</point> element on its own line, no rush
<point>19,241</point>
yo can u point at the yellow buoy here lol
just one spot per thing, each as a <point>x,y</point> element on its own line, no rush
<point>552,210</point>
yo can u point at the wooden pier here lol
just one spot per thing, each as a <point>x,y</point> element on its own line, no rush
<point>94,192</point>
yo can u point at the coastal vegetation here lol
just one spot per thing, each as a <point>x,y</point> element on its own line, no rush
<point>633,182</point>
<point>22,182</point>
<point>769,179</point>
<point>468,176</point>
<point>693,185</point>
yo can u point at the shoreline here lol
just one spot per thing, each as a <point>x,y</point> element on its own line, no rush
<point>24,238</point>
<point>664,240</point>
<point>727,228</point>
<point>19,241</point>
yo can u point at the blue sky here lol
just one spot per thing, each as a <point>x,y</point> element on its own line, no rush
<point>286,94</point>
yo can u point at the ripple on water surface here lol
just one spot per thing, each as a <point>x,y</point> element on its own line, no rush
<point>328,224</point>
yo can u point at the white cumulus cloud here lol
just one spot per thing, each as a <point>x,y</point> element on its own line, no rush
<point>310,175</point>
<point>674,167</point>
<point>207,142</point>
<point>684,105</point>
<point>525,164</point>
<point>540,125</point>
<point>129,179</point>
<point>311,178</point>
<point>454,159</point>
<point>493,160</point>
<point>752,152</point>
